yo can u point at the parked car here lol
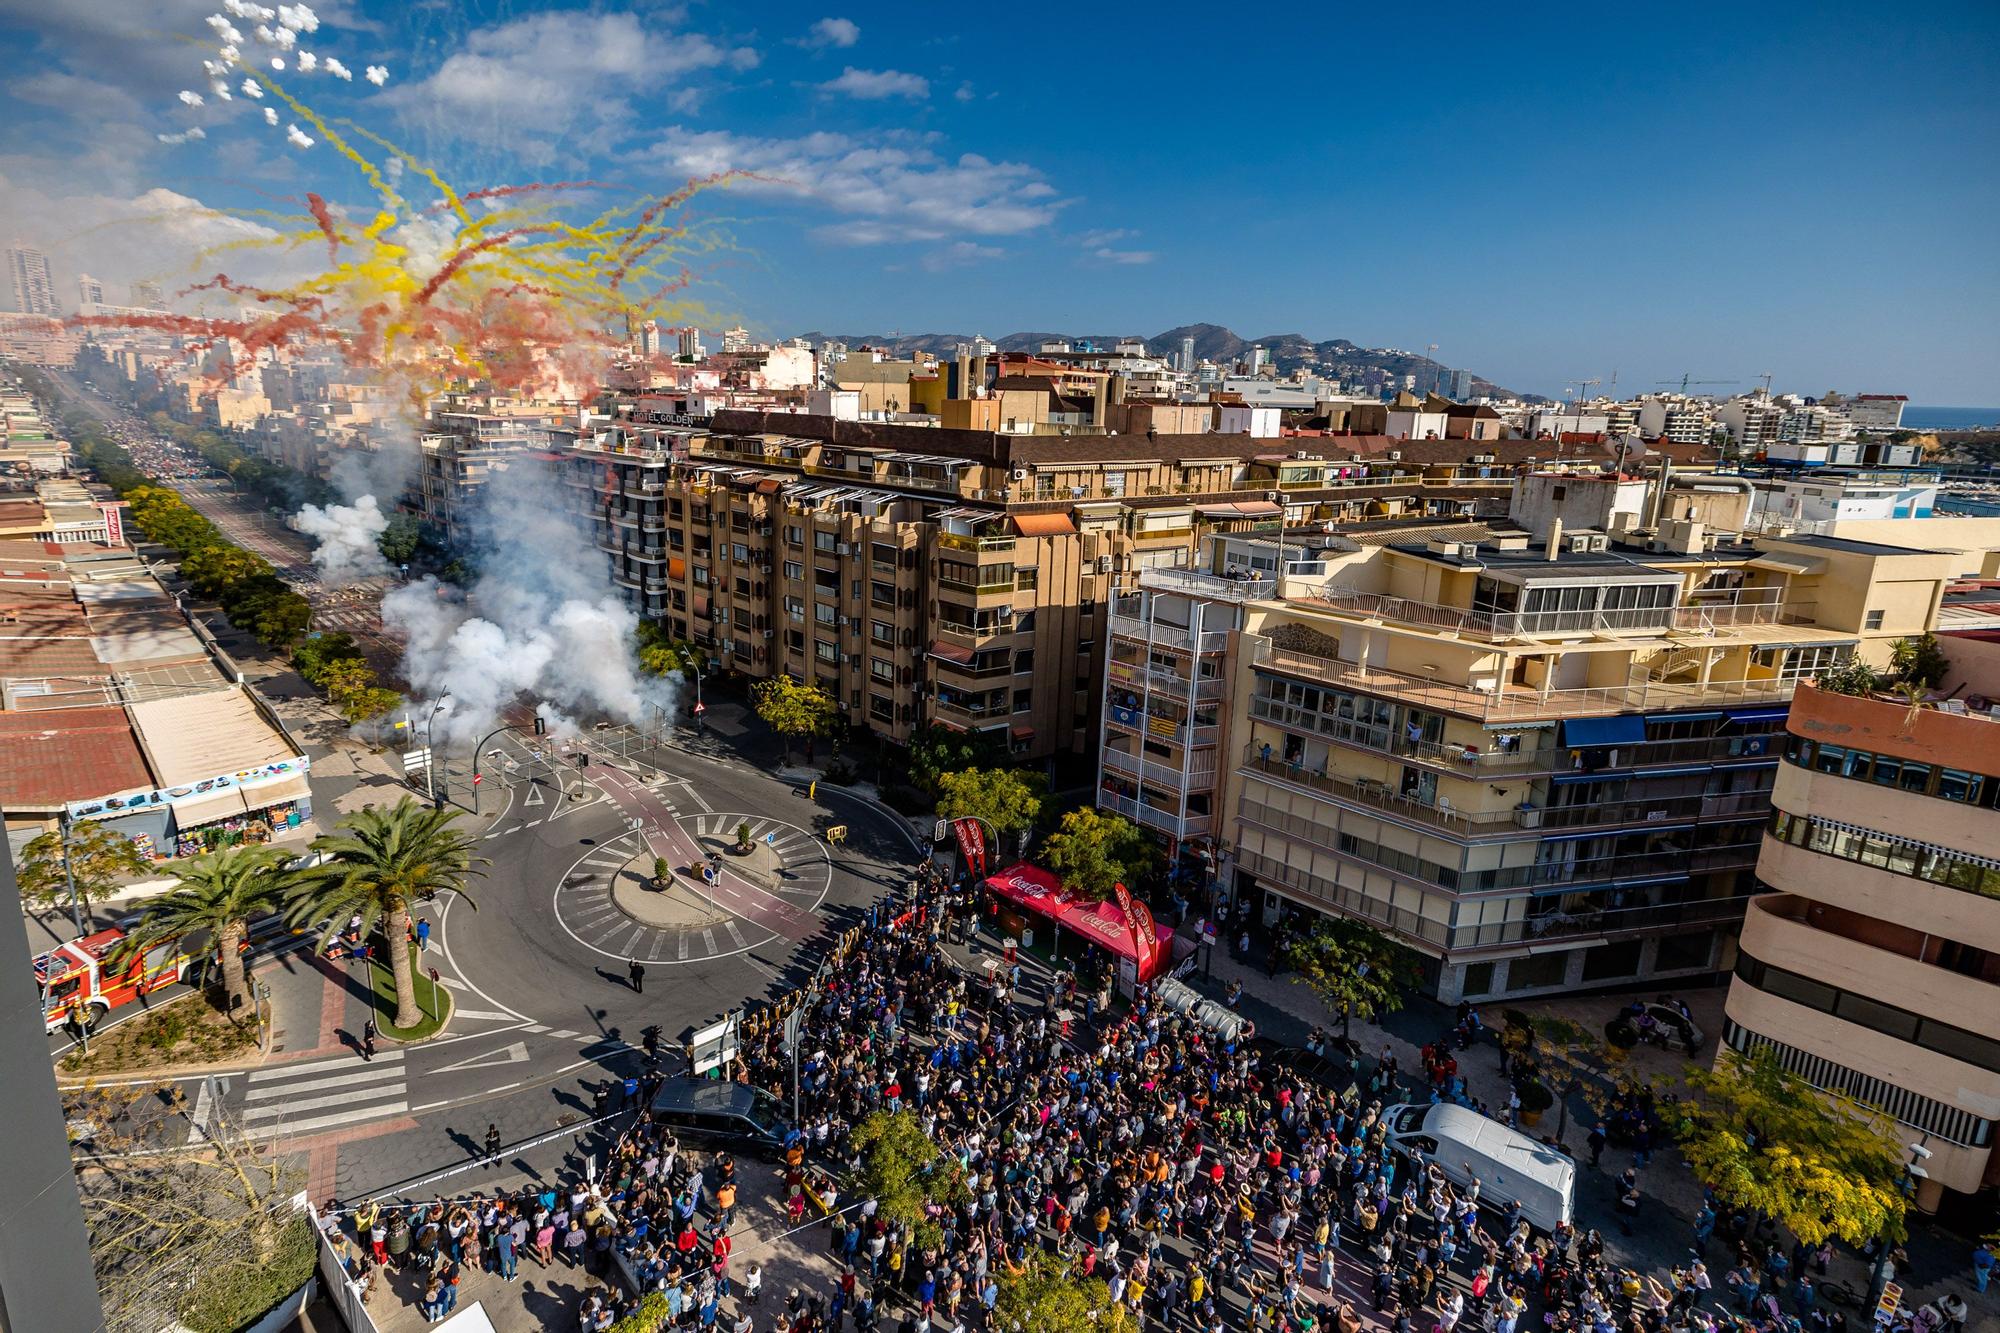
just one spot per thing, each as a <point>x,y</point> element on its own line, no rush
<point>1668,1026</point>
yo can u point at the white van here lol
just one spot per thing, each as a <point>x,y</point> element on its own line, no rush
<point>1509,1164</point>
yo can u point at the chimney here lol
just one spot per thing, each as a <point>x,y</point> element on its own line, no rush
<point>1555,538</point>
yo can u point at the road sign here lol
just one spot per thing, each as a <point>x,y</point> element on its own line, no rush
<point>416,759</point>
<point>940,829</point>
<point>793,1022</point>
<point>699,709</point>
<point>714,1046</point>
<point>1892,1299</point>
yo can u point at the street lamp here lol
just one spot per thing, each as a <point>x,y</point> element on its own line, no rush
<point>430,749</point>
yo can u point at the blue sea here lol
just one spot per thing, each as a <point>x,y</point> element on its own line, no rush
<point>1949,418</point>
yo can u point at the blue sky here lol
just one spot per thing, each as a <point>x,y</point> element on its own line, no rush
<point>1546,195</point>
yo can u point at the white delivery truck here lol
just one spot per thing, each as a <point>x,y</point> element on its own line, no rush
<point>1510,1165</point>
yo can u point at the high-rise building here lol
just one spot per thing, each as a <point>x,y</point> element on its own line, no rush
<point>149,296</point>
<point>690,345</point>
<point>1186,366</point>
<point>1877,411</point>
<point>1874,969</point>
<point>1461,385</point>
<point>649,338</point>
<point>736,339</point>
<point>34,289</point>
<point>89,289</point>
<point>1550,772</point>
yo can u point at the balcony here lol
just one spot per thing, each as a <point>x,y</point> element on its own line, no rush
<point>1162,635</point>
<point>1200,777</point>
<point>1205,689</point>
<point>972,636</point>
<point>975,671</point>
<point>981,545</point>
<point>964,710</point>
<point>1166,821</point>
<point>998,587</point>
<point>1379,797</point>
<point>1522,703</point>
<point>1381,738</point>
<point>1177,732</point>
<point>1701,619</point>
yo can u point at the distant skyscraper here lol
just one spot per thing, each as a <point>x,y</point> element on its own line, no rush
<point>1461,385</point>
<point>736,339</point>
<point>148,296</point>
<point>34,290</point>
<point>90,289</point>
<point>690,344</point>
<point>1187,356</point>
<point>649,338</point>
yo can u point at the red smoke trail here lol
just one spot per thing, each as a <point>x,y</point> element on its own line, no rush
<point>324,216</point>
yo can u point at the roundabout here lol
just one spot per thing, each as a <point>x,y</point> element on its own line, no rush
<point>711,906</point>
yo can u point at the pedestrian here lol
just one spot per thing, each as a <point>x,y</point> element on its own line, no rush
<point>637,974</point>
<point>1628,1205</point>
<point>1983,1264</point>
<point>492,1146</point>
<point>368,1034</point>
<point>1598,1138</point>
<point>503,1252</point>
<point>423,934</point>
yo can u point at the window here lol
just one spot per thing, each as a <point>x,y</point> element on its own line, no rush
<point>701,576</point>
<point>1873,620</point>
<point>823,541</point>
<point>882,669</point>
<point>880,709</point>
<point>1024,700</point>
<point>1024,579</point>
<point>1024,661</point>
<point>823,612</point>
<point>825,651</point>
<point>882,594</point>
<point>881,631</point>
<point>794,535</point>
<point>794,570</point>
<point>882,554</point>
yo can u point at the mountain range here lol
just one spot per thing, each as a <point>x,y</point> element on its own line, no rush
<point>1334,357</point>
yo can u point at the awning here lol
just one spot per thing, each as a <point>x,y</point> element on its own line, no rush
<point>1581,733</point>
<point>1023,732</point>
<point>950,652</point>
<point>295,787</point>
<point>1682,717</point>
<point>677,568</point>
<point>1576,779</point>
<point>1241,509</point>
<point>208,808</point>
<point>1761,715</point>
<point>769,486</point>
<point>1787,563</point>
<point>1044,525</point>
<point>1104,924</point>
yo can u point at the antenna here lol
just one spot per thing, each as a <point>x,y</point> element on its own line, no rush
<point>1766,377</point>
<point>1688,378</point>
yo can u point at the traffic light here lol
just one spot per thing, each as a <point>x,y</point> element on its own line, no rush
<point>541,725</point>
<point>583,761</point>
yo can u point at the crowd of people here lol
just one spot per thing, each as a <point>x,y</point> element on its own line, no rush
<point>1204,1185</point>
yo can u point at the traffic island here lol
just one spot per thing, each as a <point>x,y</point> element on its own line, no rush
<point>433,1000</point>
<point>188,1033</point>
<point>682,903</point>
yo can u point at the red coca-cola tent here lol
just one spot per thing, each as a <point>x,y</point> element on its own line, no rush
<point>1120,923</point>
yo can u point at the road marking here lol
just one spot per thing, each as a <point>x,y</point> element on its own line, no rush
<point>530,824</point>
<point>502,1088</point>
<point>659,943</point>
<point>479,1013</point>
<point>562,1034</point>
<point>729,926</point>
<point>296,1128</point>
<point>269,1109</point>
<point>505,1055</point>
<point>682,957</point>
<point>708,940</point>
<point>364,1074</point>
<point>534,796</point>
<point>314,1066</point>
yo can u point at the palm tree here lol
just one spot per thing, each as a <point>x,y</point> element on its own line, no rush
<point>218,894</point>
<point>379,864</point>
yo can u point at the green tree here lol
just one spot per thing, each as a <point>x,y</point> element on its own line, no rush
<point>213,570</point>
<point>794,709</point>
<point>1092,851</point>
<point>1569,1060</point>
<point>661,655</point>
<point>1356,969</point>
<point>907,1174</point>
<point>97,858</point>
<point>1820,1164</point>
<point>318,652</point>
<point>1005,798</point>
<point>268,610</point>
<point>1920,660</point>
<point>935,751</point>
<point>399,540</point>
<point>217,896</point>
<point>1047,1295</point>
<point>382,863</point>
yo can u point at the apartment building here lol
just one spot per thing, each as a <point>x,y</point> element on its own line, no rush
<point>457,457</point>
<point>1675,420</point>
<point>1542,762</point>
<point>926,575</point>
<point>1873,968</point>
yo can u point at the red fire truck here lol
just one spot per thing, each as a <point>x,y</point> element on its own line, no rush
<point>75,973</point>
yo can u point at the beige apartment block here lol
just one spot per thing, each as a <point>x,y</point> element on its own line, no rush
<point>1544,764</point>
<point>957,577</point>
<point>1874,966</point>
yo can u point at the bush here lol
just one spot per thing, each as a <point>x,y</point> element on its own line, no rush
<point>1536,1097</point>
<point>230,1296</point>
<point>650,1317</point>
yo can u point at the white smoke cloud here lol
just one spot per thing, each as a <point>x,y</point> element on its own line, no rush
<point>297,137</point>
<point>347,536</point>
<point>339,71</point>
<point>542,621</point>
<point>378,75</point>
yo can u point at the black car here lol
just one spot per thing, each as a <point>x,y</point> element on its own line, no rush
<point>735,1115</point>
<point>1332,1073</point>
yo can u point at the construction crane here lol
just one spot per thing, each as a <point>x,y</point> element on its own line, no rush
<point>1687,379</point>
<point>1766,377</point>
<point>1577,386</point>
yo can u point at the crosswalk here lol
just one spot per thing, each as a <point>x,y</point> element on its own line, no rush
<point>286,1101</point>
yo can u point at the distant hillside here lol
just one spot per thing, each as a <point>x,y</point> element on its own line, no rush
<point>1336,357</point>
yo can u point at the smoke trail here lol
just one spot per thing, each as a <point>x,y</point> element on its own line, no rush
<point>542,621</point>
<point>347,536</point>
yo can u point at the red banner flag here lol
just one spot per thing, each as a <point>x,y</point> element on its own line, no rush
<point>971,844</point>
<point>1139,920</point>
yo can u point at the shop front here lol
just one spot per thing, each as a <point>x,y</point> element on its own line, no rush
<point>252,805</point>
<point>1120,925</point>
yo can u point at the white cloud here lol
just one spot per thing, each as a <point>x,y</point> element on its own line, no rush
<point>376,74</point>
<point>964,93</point>
<point>832,32</point>
<point>875,84</point>
<point>896,188</point>
<point>1105,254</point>
<point>121,238</point>
<point>297,137</point>
<point>1104,236</point>
<point>554,75</point>
<point>959,253</point>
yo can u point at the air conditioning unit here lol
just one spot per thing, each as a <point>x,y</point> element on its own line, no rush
<point>843,548</point>
<point>770,634</point>
<point>1078,492</point>
<point>1484,458</point>
<point>764,531</point>
<point>1104,564</point>
<point>1019,474</point>
<point>1468,550</point>
<point>1394,455</point>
